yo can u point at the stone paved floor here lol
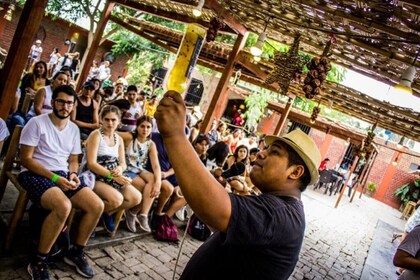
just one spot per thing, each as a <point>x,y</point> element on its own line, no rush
<point>336,245</point>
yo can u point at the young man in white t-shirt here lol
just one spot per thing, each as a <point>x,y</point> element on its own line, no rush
<point>50,144</point>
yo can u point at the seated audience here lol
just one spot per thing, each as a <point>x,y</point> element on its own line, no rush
<point>139,150</point>
<point>50,144</point>
<point>42,99</point>
<point>105,157</point>
<point>130,117</point>
<point>238,184</point>
<point>85,113</point>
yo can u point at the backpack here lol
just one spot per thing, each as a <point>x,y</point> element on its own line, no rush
<point>197,229</point>
<point>61,246</point>
<point>166,229</point>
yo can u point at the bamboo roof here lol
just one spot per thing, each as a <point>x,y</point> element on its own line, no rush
<point>379,39</point>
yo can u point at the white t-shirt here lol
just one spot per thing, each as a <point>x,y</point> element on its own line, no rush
<point>52,147</point>
<point>36,52</point>
<point>4,132</point>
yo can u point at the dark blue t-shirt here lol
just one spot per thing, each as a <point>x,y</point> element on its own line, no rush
<point>263,241</point>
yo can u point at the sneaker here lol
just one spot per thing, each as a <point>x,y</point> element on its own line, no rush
<point>130,220</point>
<point>143,222</point>
<point>180,214</point>
<point>80,263</point>
<point>39,271</point>
<point>108,221</point>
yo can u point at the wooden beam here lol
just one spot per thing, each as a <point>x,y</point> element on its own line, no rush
<point>227,17</point>
<point>223,83</point>
<point>91,50</point>
<point>27,27</point>
<point>153,10</point>
<point>284,116</point>
<point>139,32</point>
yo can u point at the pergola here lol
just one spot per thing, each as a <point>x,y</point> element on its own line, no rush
<point>379,39</point>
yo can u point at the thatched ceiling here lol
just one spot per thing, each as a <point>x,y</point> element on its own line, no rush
<point>359,27</point>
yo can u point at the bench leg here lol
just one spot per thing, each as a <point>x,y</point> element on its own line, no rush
<point>16,218</point>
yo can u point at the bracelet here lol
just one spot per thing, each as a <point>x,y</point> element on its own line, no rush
<point>55,178</point>
<point>109,176</point>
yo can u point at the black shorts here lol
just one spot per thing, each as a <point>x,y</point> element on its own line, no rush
<point>36,185</point>
<point>172,179</point>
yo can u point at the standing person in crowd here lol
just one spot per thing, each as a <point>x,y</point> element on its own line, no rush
<point>50,145</point>
<point>139,150</point>
<point>34,54</point>
<point>54,57</point>
<point>86,111</point>
<point>105,157</point>
<point>407,256</point>
<point>42,100</point>
<point>130,117</point>
<point>151,106</point>
<point>93,71</point>
<point>282,172</point>
<point>64,61</point>
<point>74,66</point>
<point>33,81</point>
<point>103,72</point>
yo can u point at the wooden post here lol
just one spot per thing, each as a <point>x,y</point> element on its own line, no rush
<point>284,116</point>
<point>356,160</point>
<point>221,93</point>
<point>91,52</point>
<point>362,177</point>
<point>367,175</point>
<point>27,27</point>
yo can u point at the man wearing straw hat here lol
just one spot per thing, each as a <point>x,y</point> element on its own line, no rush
<point>257,237</point>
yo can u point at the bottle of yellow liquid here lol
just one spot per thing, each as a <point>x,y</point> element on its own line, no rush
<point>187,56</point>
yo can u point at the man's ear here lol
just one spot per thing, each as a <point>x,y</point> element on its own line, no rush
<point>297,172</point>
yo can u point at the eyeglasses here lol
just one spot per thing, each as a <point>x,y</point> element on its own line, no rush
<point>64,102</point>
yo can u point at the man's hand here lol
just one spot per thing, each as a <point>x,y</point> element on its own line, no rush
<point>170,115</point>
<point>74,178</point>
<point>65,185</point>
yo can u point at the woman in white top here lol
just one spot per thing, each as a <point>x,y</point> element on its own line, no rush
<point>42,99</point>
<point>139,150</point>
<point>54,57</point>
<point>106,158</point>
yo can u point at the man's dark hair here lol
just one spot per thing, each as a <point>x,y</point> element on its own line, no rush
<point>65,89</point>
<point>295,159</point>
<point>132,88</point>
<point>254,151</point>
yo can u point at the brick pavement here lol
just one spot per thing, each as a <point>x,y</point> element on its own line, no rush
<point>336,245</point>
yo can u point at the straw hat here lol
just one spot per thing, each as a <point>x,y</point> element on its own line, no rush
<point>304,146</point>
<point>38,42</point>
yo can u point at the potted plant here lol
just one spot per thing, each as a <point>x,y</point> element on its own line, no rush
<point>370,188</point>
<point>408,192</point>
